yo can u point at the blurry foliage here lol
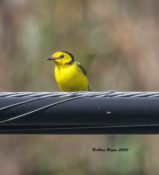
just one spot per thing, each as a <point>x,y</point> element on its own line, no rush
<point>117,41</point>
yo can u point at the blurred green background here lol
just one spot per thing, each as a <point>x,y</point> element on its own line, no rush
<point>116,41</point>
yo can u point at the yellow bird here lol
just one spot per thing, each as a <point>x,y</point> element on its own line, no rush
<point>69,74</point>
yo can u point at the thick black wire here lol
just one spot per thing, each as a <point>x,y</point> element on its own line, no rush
<point>78,128</point>
<point>41,108</point>
<point>76,95</point>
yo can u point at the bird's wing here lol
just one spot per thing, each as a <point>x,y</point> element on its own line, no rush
<point>81,68</point>
<point>83,71</point>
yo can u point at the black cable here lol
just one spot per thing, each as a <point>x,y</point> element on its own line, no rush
<point>86,112</point>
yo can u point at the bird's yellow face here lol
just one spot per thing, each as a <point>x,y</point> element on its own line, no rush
<point>61,58</point>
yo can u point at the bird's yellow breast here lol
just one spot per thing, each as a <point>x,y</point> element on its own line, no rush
<point>71,78</point>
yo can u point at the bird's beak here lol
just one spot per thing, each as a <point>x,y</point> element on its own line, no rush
<point>50,58</point>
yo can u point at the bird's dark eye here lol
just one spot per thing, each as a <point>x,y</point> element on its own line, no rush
<point>62,56</point>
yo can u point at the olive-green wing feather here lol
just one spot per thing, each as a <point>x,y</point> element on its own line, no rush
<point>82,68</point>
<point>84,72</point>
